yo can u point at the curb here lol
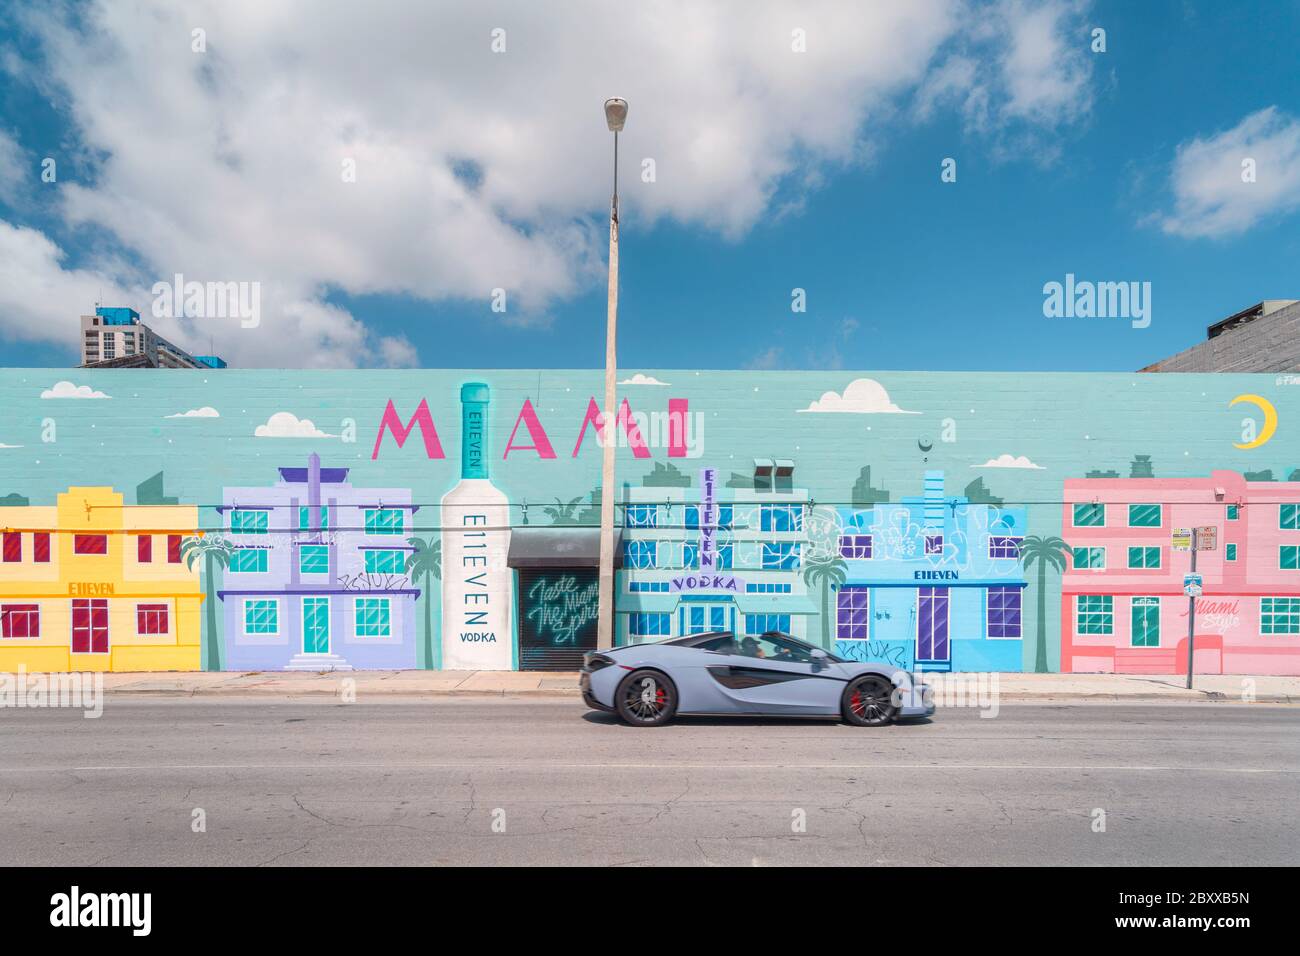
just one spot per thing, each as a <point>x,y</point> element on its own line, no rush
<point>1211,697</point>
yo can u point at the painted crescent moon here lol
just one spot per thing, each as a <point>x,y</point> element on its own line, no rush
<point>1270,419</point>
<point>924,446</point>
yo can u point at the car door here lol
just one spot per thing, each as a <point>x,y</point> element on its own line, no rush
<point>772,674</point>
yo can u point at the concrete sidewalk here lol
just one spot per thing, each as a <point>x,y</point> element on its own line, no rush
<point>1038,688</point>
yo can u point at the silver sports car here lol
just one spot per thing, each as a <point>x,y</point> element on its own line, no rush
<point>775,674</point>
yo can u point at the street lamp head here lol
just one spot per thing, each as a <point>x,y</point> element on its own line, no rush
<point>615,113</point>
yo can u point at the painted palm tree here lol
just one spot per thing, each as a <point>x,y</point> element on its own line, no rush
<point>215,552</point>
<point>1047,553</point>
<point>828,571</point>
<point>424,564</point>
<point>563,512</point>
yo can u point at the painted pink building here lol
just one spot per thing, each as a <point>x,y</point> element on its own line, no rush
<point>1122,604</point>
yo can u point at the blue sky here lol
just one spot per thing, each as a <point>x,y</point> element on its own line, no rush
<point>493,172</point>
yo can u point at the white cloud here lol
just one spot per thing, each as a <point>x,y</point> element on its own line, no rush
<point>3,445</point>
<point>1210,198</point>
<point>863,396</point>
<point>1009,461</point>
<point>207,411</point>
<point>13,165</point>
<point>289,425</point>
<point>640,379</point>
<point>66,389</point>
<point>474,170</point>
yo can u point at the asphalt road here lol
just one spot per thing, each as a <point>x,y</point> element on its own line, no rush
<point>423,782</point>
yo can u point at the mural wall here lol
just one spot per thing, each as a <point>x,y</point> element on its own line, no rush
<point>264,520</point>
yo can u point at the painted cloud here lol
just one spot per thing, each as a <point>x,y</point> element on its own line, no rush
<point>863,396</point>
<point>289,425</point>
<point>68,390</point>
<point>1009,461</point>
<point>207,411</point>
<point>639,379</point>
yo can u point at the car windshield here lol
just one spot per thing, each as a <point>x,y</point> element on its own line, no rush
<point>780,647</point>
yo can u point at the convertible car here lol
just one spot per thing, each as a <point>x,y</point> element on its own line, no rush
<point>773,674</point>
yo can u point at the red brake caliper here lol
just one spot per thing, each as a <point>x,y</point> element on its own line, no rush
<point>856,701</point>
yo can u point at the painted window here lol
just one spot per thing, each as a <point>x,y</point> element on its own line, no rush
<point>724,513</point>
<point>20,620</point>
<point>13,546</point>
<point>1279,615</point>
<point>249,522</point>
<point>374,617</point>
<point>780,556</point>
<point>144,548</point>
<point>41,547</point>
<point>855,546</point>
<point>690,554</point>
<point>640,554</point>
<point>649,624</point>
<point>1004,546</point>
<point>755,587</point>
<point>934,544</point>
<point>1095,614</point>
<point>1289,517</point>
<point>1004,612</point>
<point>249,560</point>
<point>385,562</point>
<point>642,516</point>
<point>261,617</point>
<point>1234,512</point>
<point>314,559</point>
<point>1089,515</point>
<point>1144,557</point>
<point>90,544</point>
<point>853,614</point>
<point>383,520</point>
<point>174,549</point>
<point>781,518</point>
<point>757,624</point>
<point>151,619</point>
<point>1144,516</point>
<point>1289,557</point>
<point>1145,631</point>
<point>304,517</point>
<point>726,556</point>
<point>643,587</point>
<point>1089,559</point>
<point>1230,551</point>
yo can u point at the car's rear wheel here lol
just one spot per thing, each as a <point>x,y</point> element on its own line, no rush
<point>646,698</point>
<point>869,702</point>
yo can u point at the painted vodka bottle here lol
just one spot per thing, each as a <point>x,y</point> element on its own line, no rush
<point>477,631</point>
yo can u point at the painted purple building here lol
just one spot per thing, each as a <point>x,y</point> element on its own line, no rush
<point>317,579</point>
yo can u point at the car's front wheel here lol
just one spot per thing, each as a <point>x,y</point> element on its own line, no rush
<point>869,702</point>
<point>646,699</point>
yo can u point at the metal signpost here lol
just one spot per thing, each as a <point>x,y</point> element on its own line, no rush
<point>1204,538</point>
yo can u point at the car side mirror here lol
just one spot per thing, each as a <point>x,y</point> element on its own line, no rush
<point>819,657</point>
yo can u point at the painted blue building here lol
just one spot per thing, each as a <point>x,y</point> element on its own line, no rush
<point>709,557</point>
<point>932,582</point>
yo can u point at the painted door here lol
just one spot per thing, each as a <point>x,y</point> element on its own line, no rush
<point>90,625</point>
<point>315,625</point>
<point>932,624</point>
<point>702,618</point>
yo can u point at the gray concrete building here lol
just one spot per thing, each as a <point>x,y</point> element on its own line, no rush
<point>1263,338</point>
<point>116,338</point>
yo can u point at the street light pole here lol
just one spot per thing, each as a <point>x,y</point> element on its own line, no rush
<point>615,116</point>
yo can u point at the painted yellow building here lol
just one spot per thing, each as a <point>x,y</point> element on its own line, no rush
<point>92,584</point>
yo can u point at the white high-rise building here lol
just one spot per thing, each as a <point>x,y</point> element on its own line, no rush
<point>118,336</point>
